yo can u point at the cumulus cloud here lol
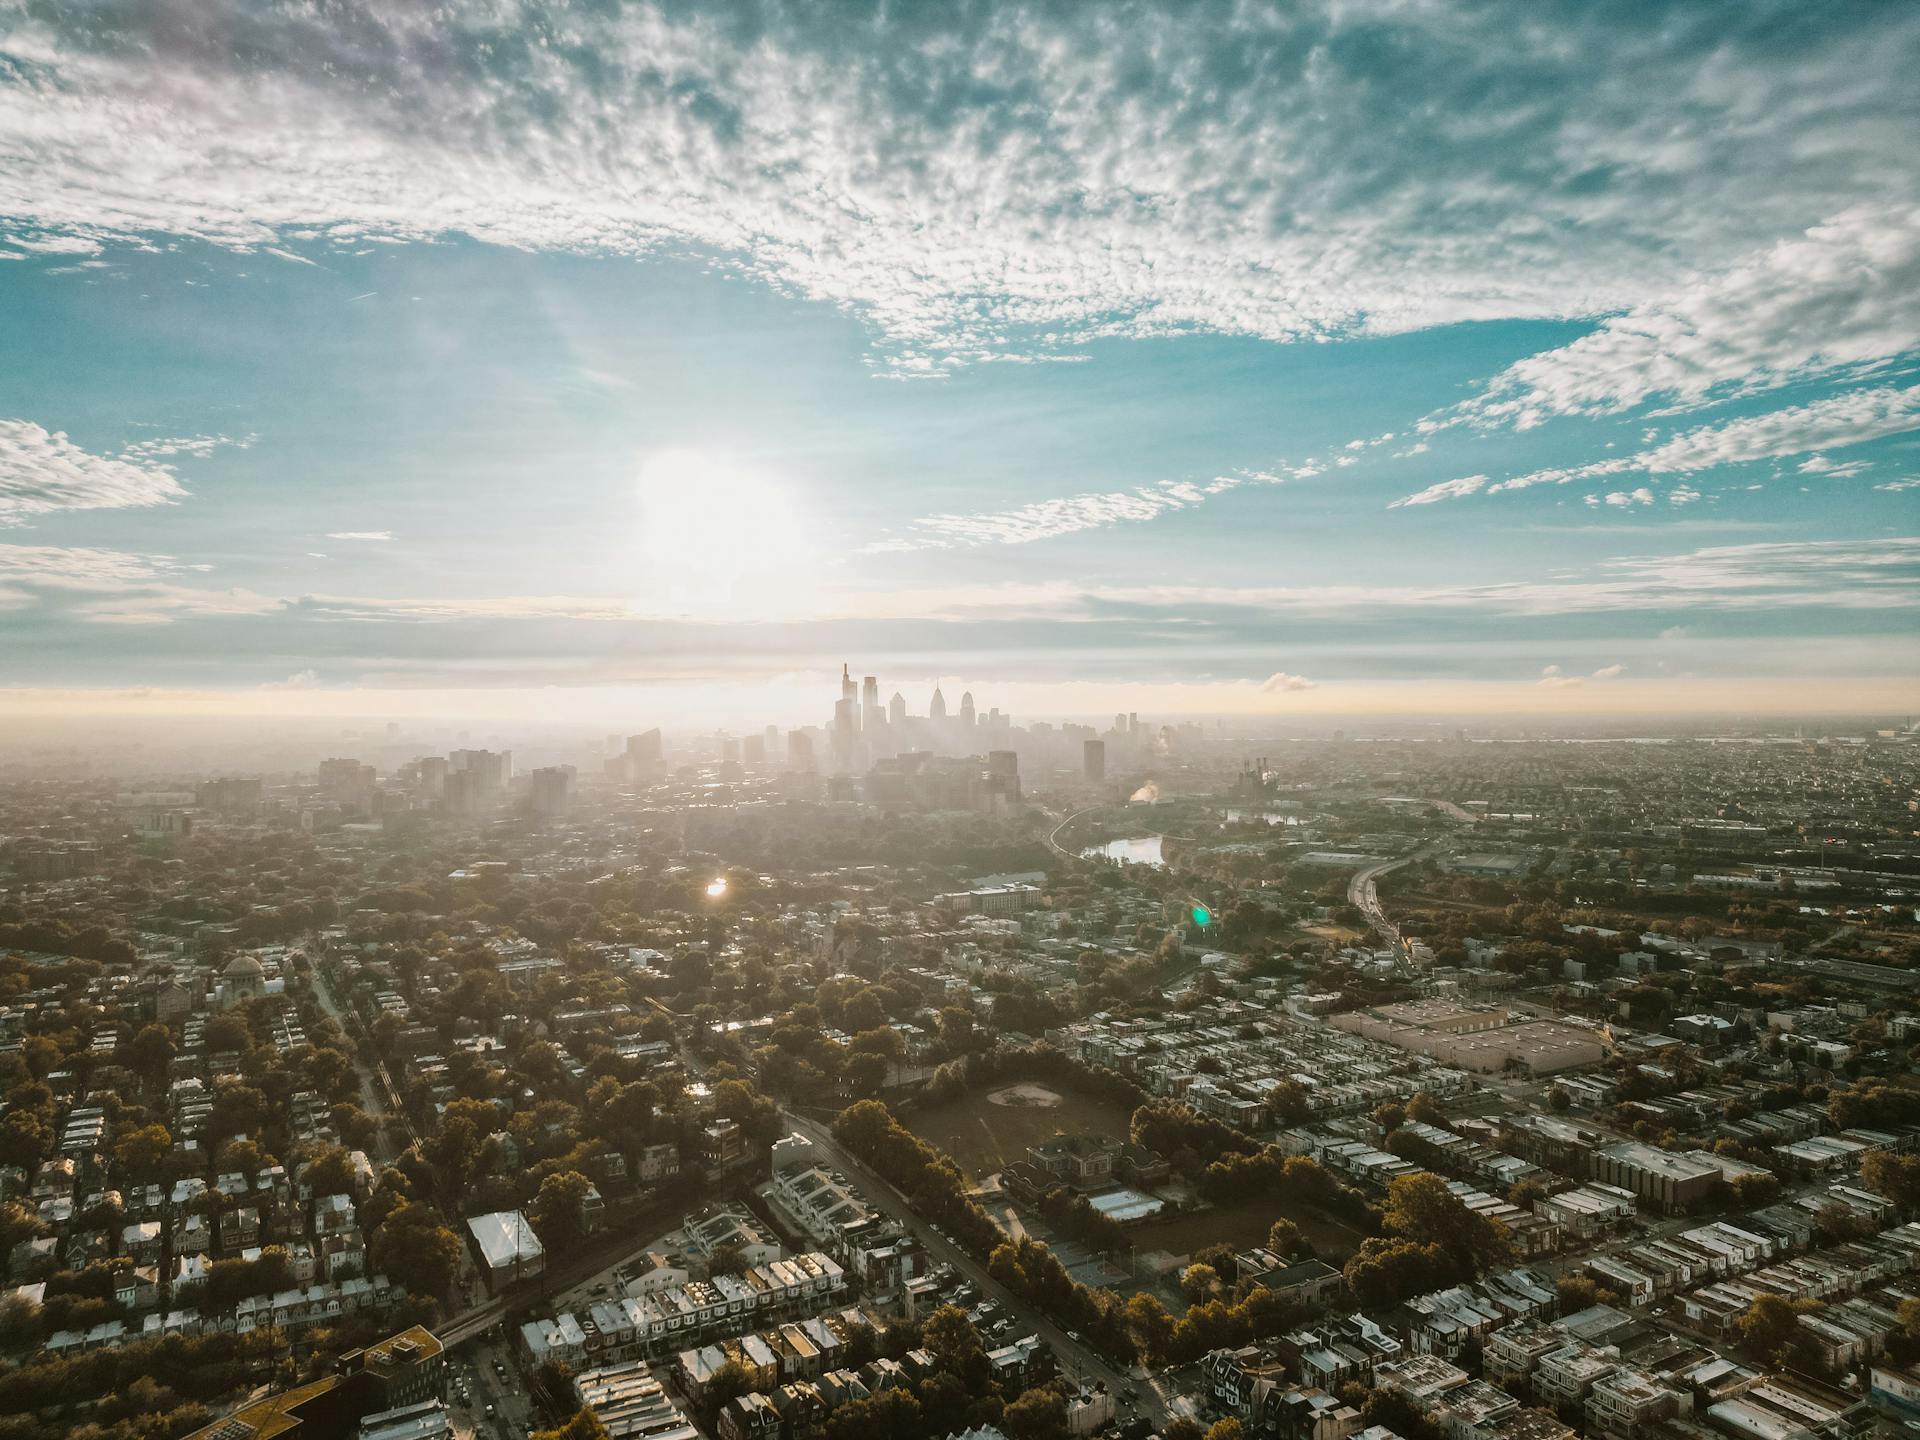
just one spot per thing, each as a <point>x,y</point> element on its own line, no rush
<point>991,180</point>
<point>1281,681</point>
<point>1841,298</point>
<point>42,471</point>
<point>1609,672</point>
<point>1625,499</point>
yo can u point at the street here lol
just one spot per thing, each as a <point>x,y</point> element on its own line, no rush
<point>1075,1358</point>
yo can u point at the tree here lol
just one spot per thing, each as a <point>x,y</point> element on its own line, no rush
<point>1289,1102</point>
<point>1036,1415</point>
<point>1422,1209</point>
<point>1285,1238</point>
<point>950,1337</point>
<point>414,1248</point>
<point>1424,1108</point>
<point>1389,1116</point>
<point>143,1153</point>
<point>149,1053</point>
<point>1770,1327</point>
<point>1893,1175</point>
<point>1226,1429</point>
<point>585,1425</point>
<point>330,1172</point>
<point>1558,1099</point>
<point>558,1210</point>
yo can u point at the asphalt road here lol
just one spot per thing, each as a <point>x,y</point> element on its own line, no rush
<point>1074,1358</point>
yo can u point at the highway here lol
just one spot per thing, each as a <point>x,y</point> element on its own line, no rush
<point>1074,1357</point>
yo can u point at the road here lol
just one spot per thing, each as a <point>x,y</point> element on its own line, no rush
<point>376,1096</point>
<point>1075,1358</point>
<point>1053,835</point>
<point>1363,893</point>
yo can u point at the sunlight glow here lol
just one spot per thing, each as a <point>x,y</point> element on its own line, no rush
<point>717,888</point>
<point>719,540</point>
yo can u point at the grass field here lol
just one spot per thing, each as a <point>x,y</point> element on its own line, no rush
<point>1245,1223</point>
<point>984,1136</point>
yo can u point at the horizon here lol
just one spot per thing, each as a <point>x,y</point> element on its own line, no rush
<point>634,361</point>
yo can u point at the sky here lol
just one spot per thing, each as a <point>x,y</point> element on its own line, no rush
<point>1319,358</point>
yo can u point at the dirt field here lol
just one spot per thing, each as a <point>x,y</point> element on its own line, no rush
<point>985,1132</point>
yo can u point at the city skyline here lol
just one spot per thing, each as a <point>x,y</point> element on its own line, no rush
<point>636,364</point>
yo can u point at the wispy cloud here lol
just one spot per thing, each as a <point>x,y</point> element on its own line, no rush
<point>360,535</point>
<point>1851,417</point>
<point>1844,297</point>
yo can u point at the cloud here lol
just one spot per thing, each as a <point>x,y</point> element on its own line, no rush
<point>359,535</point>
<point>114,587</point>
<point>1682,495</point>
<point>1050,519</point>
<point>1841,298</point>
<point>1833,470</point>
<point>1834,421</point>
<point>1010,179</point>
<point>198,446</point>
<point>1281,681</point>
<point>1552,677</point>
<point>1852,418</point>
<point>43,471</point>
<point>1910,483</point>
<point>1445,490</point>
<point>300,680</point>
<point>1626,498</point>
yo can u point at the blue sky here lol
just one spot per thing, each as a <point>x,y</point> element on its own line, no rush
<point>1370,357</point>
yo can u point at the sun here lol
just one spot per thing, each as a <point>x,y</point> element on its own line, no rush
<point>720,539</point>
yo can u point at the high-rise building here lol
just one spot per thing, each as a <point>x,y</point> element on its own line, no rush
<point>551,791</point>
<point>897,710</point>
<point>799,750</point>
<point>347,782</point>
<point>871,716</point>
<point>966,711</point>
<point>937,708</point>
<point>753,750</point>
<point>1093,761</point>
<point>1133,723</point>
<point>491,770</point>
<point>644,752</point>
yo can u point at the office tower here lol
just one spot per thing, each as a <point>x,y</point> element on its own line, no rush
<point>843,732</point>
<point>966,711</point>
<point>491,770</point>
<point>937,709</point>
<point>897,710</point>
<point>346,781</point>
<point>1119,724</point>
<point>551,791</point>
<point>772,738</point>
<point>871,717</point>
<point>1093,761</point>
<point>753,750</point>
<point>729,750</point>
<point>1003,775</point>
<point>644,751</point>
<point>228,792</point>
<point>1133,723</point>
<point>799,750</point>
<point>432,770</point>
<point>846,683</point>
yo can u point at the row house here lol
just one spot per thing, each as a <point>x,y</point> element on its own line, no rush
<point>1336,1349</point>
<point>1629,1402</point>
<point>653,1323</point>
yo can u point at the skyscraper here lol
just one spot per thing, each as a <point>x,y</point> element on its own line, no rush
<point>871,718</point>
<point>937,708</point>
<point>897,710</point>
<point>1093,761</point>
<point>966,711</point>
